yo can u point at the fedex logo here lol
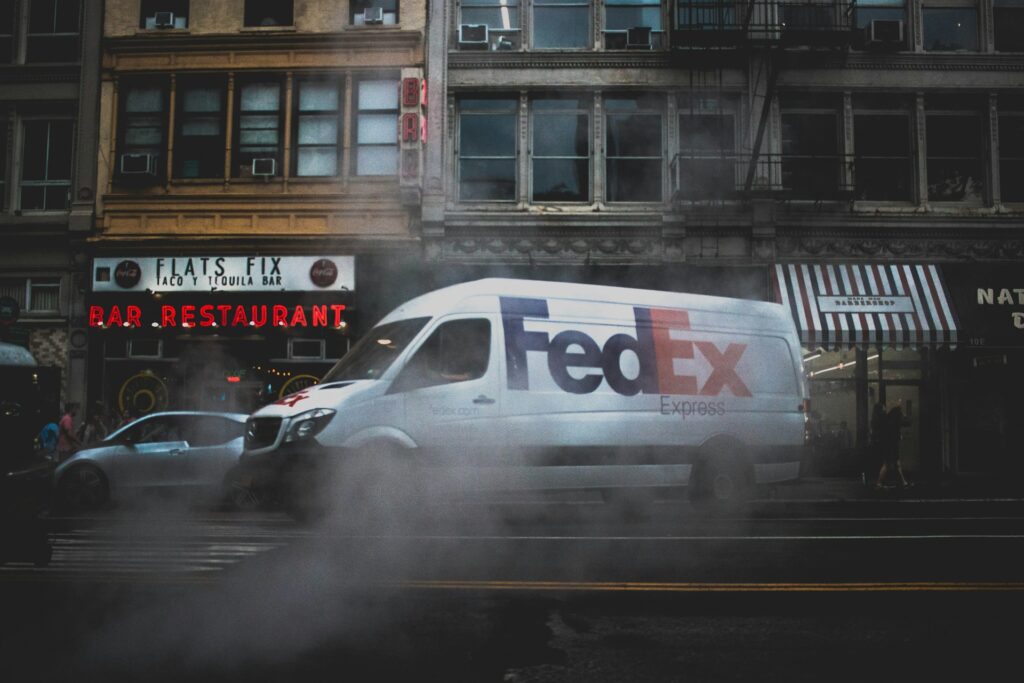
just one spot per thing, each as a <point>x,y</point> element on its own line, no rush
<point>653,346</point>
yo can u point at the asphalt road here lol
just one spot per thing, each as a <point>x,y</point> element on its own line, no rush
<point>524,592</point>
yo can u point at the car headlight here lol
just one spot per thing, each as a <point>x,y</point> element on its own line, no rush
<point>308,424</point>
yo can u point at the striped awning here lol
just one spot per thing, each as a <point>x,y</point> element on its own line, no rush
<point>839,306</point>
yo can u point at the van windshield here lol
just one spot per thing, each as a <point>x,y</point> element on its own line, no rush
<point>374,353</point>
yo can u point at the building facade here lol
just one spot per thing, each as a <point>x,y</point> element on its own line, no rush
<point>860,162</point>
<point>251,174</point>
<point>49,69</point>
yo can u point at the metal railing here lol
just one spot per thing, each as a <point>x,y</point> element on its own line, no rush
<point>715,176</point>
<point>705,23</point>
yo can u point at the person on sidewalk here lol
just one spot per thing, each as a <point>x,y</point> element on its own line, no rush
<point>892,434</point>
<point>67,442</point>
<point>875,457</point>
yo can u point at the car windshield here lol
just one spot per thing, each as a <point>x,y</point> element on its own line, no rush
<point>374,353</point>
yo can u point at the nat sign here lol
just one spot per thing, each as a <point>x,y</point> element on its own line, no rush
<point>653,345</point>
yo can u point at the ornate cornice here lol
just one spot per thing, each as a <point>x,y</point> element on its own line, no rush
<point>260,41</point>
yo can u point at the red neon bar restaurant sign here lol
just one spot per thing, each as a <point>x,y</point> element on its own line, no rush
<point>220,315</point>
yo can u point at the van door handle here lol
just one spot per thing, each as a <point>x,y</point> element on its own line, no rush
<point>483,400</point>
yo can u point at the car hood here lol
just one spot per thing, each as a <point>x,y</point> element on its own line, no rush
<point>329,395</point>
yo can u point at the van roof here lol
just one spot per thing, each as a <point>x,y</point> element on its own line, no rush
<point>454,298</point>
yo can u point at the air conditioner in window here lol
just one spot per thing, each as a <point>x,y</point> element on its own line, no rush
<point>264,167</point>
<point>138,165</point>
<point>163,20</point>
<point>884,33</point>
<point>373,15</point>
<point>638,38</point>
<point>473,37</point>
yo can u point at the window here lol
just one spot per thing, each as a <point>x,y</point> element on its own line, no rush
<point>377,128</point>
<point>620,15</point>
<point>46,165</point>
<point>1011,155</point>
<point>374,353</point>
<point>1009,25</point>
<point>268,12</point>
<point>457,351</point>
<point>259,126</point>
<point>53,27</point>
<point>6,31</point>
<point>697,15</point>
<point>950,28</point>
<point>955,159</point>
<point>487,149</point>
<point>388,12</point>
<point>199,139</point>
<point>561,23</point>
<point>883,164</point>
<point>155,12</point>
<point>158,429</point>
<point>707,143</point>
<point>633,148</point>
<point>810,147</point>
<point>142,132</point>
<point>34,295</point>
<point>497,15</point>
<point>561,149</point>
<point>867,11</point>
<point>317,128</point>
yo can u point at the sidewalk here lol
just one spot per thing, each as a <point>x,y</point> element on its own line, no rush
<point>847,490</point>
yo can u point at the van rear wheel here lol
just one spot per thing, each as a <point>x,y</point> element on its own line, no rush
<point>723,483</point>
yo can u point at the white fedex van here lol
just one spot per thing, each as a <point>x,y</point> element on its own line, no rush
<point>559,386</point>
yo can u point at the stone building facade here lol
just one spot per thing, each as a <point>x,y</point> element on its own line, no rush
<point>729,147</point>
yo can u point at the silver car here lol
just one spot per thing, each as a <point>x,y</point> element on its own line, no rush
<point>179,450</point>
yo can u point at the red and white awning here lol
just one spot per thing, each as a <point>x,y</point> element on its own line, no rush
<point>840,306</point>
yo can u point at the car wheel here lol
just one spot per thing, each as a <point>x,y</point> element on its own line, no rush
<point>84,488</point>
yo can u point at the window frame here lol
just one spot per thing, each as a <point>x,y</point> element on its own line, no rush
<point>122,128</point>
<point>930,7</point>
<point>513,111</point>
<point>905,111</point>
<point>49,119</point>
<point>338,81</point>
<point>833,109</point>
<point>661,110</point>
<point>183,84</point>
<point>411,377</point>
<point>77,34</point>
<point>657,32</point>
<point>241,84</point>
<point>250,9</point>
<point>11,36</point>
<point>1015,7</point>
<point>356,7</point>
<point>518,6</point>
<point>27,284</point>
<point>358,112</point>
<point>1012,112</point>
<point>727,105</point>
<point>149,8</point>
<point>578,110</point>
<point>978,115</point>
<point>588,5</point>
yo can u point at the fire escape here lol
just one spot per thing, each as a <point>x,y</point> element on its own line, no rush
<point>739,160</point>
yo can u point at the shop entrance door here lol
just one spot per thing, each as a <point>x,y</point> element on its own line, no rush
<point>908,396</point>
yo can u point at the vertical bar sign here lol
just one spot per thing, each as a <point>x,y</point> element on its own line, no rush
<point>411,126</point>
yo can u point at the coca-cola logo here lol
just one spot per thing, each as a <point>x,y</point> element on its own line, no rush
<point>127,274</point>
<point>323,273</point>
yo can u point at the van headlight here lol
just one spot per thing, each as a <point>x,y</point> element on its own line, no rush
<point>308,424</point>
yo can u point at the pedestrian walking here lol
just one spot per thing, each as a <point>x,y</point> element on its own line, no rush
<point>892,434</point>
<point>94,429</point>
<point>67,442</point>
